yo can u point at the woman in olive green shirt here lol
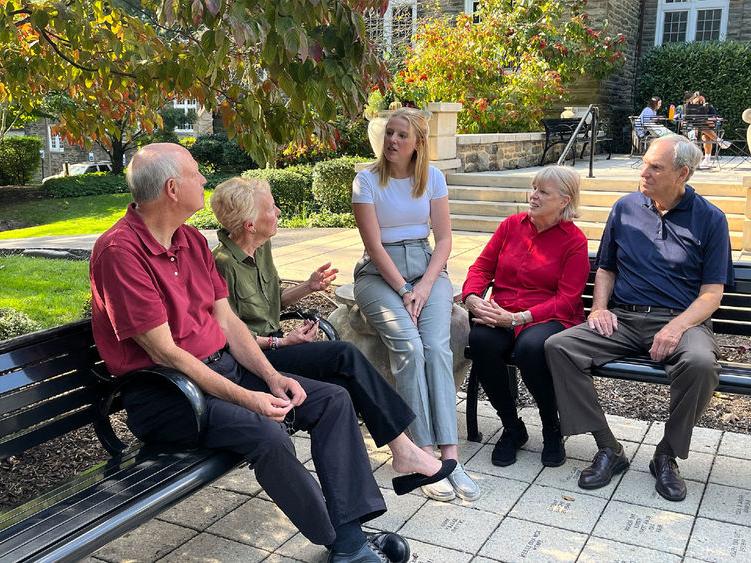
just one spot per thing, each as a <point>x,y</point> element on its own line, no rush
<point>247,211</point>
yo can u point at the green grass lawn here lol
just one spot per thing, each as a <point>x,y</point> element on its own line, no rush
<point>51,292</point>
<point>72,216</point>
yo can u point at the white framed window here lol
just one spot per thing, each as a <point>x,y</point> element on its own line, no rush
<point>396,27</point>
<point>185,105</point>
<point>679,21</point>
<point>55,141</point>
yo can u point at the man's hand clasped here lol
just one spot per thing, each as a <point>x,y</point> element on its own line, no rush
<point>299,335</point>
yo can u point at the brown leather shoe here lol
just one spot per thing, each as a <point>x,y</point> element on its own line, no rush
<point>605,464</point>
<point>669,484</point>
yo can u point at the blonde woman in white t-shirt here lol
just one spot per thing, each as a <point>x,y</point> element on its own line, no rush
<point>403,289</point>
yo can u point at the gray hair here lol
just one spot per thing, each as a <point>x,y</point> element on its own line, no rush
<point>685,152</point>
<point>149,170</point>
<point>234,201</point>
<point>567,180</point>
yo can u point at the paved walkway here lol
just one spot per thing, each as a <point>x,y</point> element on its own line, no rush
<point>526,513</point>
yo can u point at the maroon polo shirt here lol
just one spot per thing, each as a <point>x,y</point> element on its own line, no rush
<point>137,285</point>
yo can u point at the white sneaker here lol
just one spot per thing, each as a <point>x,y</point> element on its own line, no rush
<point>725,144</point>
<point>705,163</point>
<point>442,490</point>
<point>464,486</point>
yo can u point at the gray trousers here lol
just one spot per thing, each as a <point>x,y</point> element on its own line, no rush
<point>693,370</point>
<point>420,356</point>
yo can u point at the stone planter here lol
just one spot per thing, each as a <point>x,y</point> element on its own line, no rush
<point>377,130</point>
<point>442,135</point>
<point>353,327</point>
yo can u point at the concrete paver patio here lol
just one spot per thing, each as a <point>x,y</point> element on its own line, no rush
<point>527,512</point>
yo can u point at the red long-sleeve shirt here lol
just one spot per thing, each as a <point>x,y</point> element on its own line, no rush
<point>542,272</point>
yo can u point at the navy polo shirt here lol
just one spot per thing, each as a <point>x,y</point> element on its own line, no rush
<point>663,260</point>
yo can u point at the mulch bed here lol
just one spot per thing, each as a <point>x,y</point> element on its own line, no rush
<point>43,467</point>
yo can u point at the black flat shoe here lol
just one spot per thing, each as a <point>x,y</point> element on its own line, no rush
<point>392,545</point>
<point>605,464</point>
<point>553,451</point>
<point>670,485</point>
<point>513,438</point>
<point>407,483</point>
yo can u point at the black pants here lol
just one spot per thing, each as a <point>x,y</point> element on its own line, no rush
<point>385,413</point>
<point>492,348</point>
<point>347,491</point>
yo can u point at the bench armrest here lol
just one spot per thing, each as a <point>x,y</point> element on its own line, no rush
<point>183,384</point>
<point>312,315</point>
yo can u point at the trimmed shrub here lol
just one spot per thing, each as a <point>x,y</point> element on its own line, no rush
<point>221,152</point>
<point>95,183</point>
<point>719,69</point>
<point>332,183</point>
<point>15,323</point>
<point>204,219</point>
<point>19,159</point>
<point>291,187</point>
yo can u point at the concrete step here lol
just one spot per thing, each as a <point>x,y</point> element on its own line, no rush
<point>490,180</point>
<point>487,193</point>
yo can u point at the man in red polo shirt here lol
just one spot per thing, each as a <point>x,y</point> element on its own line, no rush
<point>157,299</point>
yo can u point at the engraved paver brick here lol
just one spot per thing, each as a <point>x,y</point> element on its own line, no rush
<point>695,468</point>
<point>729,504</point>
<point>241,480</point>
<point>468,450</point>
<point>731,471</point>
<point>599,550</point>
<point>564,509</point>
<point>400,509</point>
<point>203,508</point>
<point>498,494</point>
<point>519,540</point>
<point>148,542</point>
<point>526,468</point>
<point>628,429</point>
<point>258,523</point>
<point>429,553</point>
<point>638,487</point>
<point>207,547</point>
<point>734,444</point>
<point>648,527</point>
<point>452,526</point>
<point>719,541</point>
<point>566,477</point>
<point>584,447</point>
<point>301,549</point>
<point>704,440</point>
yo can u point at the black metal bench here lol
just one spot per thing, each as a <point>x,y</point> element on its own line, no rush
<point>559,130</point>
<point>732,318</point>
<point>53,382</point>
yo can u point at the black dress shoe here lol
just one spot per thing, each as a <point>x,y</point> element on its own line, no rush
<point>670,484</point>
<point>605,464</point>
<point>513,438</point>
<point>404,484</point>
<point>392,545</point>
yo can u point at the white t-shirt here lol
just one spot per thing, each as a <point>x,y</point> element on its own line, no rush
<point>400,216</point>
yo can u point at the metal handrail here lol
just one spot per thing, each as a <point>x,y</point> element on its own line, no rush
<point>595,112</point>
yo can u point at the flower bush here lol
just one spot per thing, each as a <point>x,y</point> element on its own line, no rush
<point>509,67</point>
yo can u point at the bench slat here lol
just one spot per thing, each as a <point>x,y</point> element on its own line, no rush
<point>40,435</point>
<point>40,372</point>
<point>114,506</point>
<point>11,423</point>
<point>78,342</point>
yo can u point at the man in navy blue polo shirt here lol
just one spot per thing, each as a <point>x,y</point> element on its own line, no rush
<point>663,263</point>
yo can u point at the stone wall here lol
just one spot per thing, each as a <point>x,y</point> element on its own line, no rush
<point>739,20</point>
<point>503,151</point>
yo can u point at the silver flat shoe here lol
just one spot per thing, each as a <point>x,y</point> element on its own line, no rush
<point>442,490</point>
<point>463,485</point>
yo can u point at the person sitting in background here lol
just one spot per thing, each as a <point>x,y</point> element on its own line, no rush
<point>538,264</point>
<point>248,214</point>
<point>647,121</point>
<point>704,118</point>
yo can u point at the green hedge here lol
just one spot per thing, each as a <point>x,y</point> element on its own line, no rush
<point>332,183</point>
<point>95,183</point>
<point>19,159</point>
<point>720,69</point>
<point>221,152</point>
<point>15,323</point>
<point>291,187</point>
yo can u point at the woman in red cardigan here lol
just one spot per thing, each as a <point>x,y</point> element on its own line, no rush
<point>537,263</point>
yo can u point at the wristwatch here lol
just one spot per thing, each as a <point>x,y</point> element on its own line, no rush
<point>514,322</point>
<point>406,288</point>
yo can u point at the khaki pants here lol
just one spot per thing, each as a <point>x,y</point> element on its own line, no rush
<point>693,370</point>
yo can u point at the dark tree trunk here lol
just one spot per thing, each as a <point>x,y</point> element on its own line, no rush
<point>116,156</point>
